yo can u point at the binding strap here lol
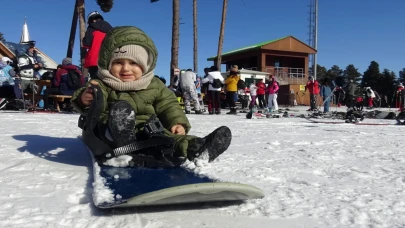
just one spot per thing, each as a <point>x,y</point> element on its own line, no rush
<point>141,145</point>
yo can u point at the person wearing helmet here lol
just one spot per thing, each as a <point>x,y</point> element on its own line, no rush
<point>92,40</point>
<point>6,71</point>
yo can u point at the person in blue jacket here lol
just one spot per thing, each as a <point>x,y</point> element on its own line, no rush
<point>326,94</point>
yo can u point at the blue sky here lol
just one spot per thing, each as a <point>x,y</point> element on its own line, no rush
<point>350,32</point>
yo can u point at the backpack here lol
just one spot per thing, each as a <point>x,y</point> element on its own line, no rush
<point>74,80</point>
<point>216,84</point>
<point>241,84</point>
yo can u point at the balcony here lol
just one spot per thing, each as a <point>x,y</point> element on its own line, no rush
<point>287,75</point>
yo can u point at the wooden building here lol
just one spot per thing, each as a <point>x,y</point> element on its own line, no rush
<point>285,58</point>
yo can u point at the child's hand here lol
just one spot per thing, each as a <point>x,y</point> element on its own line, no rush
<point>178,130</point>
<point>87,95</point>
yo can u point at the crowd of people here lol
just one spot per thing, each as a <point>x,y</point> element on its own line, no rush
<point>219,93</point>
<point>340,93</point>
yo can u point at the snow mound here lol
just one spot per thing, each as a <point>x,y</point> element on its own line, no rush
<point>101,193</point>
<point>120,161</point>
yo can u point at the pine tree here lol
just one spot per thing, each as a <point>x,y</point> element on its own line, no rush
<point>401,76</point>
<point>320,72</point>
<point>371,76</point>
<point>2,38</point>
<point>352,73</point>
<point>387,83</point>
<point>333,73</point>
<point>105,5</point>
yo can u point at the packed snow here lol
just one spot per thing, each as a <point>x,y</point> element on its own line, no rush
<point>313,175</point>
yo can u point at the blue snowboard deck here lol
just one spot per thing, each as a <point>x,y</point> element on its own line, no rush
<point>150,187</point>
<point>132,182</point>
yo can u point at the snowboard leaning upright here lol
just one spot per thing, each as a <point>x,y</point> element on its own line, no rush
<point>136,187</point>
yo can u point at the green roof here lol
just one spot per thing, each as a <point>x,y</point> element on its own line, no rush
<point>248,48</point>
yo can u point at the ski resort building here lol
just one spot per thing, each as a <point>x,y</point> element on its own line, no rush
<point>286,58</point>
<point>12,50</point>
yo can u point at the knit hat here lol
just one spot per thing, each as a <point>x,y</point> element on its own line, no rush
<point>67,61</point>
<point>133,52</point>
<point>131,43</point>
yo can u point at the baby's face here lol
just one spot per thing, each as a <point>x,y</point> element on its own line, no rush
<point>126,70</point>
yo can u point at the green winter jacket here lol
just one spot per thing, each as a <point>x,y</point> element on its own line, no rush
<point>155,99</point>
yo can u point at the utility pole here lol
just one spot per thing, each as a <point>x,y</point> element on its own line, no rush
<point>221,35</point>
<point>195,35</point>
<point>313,34</point>
<point>316,37</point>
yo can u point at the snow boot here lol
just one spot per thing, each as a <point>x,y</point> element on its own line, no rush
<point>214,144</point>
<point>121,124</point>
<point>232,112</point>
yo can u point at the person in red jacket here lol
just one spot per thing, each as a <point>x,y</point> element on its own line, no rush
<point>62,83</point>
<point>313,88</point>
<point>261,89</point>
<point>92,40</point>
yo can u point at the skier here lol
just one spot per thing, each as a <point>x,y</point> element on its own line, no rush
<point>138,115</point>
<point>326,92</point>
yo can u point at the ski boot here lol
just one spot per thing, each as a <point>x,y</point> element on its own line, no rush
<point>214,144</point>
<point>400,118</point>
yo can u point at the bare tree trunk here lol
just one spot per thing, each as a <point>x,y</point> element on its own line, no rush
<point>221,36</point>
<point>72,36</point>
<point>195,36</point>
<point>175,38</point>
<point>82,22</point>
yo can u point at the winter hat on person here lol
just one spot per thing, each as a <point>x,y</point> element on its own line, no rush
<point>132,52</point>
<point>127,42</point>
<point>6,59</point>
<point>235,68</point>
<point>67,61</point>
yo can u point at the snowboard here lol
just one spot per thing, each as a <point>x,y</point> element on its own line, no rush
<point>138,187</point>
<point>343,122</point>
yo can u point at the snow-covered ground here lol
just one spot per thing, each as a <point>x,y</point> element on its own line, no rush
<point>313,175</point>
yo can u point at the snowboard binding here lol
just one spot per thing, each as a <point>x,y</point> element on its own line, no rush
<point>151,149</point>
<point>354,116</point>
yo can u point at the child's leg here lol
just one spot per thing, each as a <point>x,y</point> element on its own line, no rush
<point>193,147</point>
<point>186,96</point>
<point>194,97</point>
<point>275,104</point>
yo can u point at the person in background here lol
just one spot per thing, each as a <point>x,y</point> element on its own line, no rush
<point>261,87</point>
<point>7,72</point>
<point>350,91</point>
<point>313,88</point>
<point>67,80</point>
<point>399,95</point>
<point>92,40</point>
<point>198,86</point>
<point>253,90</point>
<point>214,81</point>
<point>326,92</point>
<point>370,95</point>
<point>231,88</point>
<point>272,90</point>
<point>187,85</point>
